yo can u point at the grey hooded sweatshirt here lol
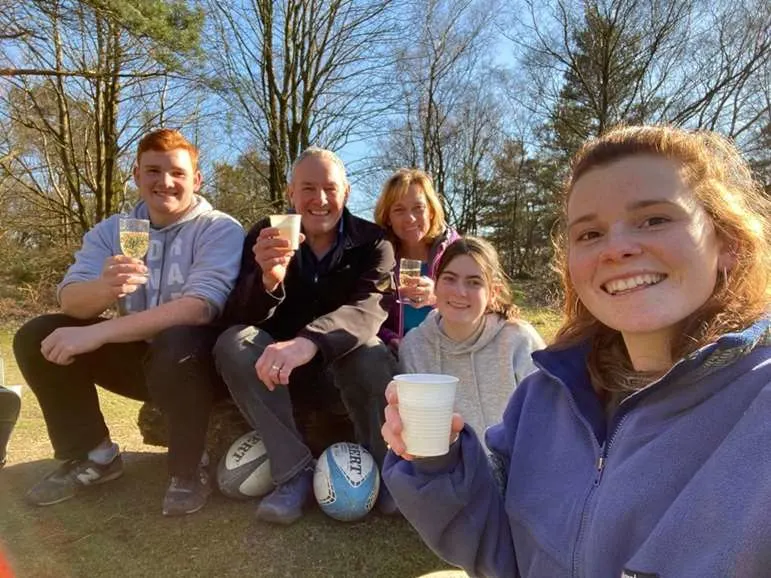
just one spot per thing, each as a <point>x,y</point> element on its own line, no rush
<point>489,364</point>
<point>199,255</point>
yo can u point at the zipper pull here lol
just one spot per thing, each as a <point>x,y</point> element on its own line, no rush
<point>601,459</point>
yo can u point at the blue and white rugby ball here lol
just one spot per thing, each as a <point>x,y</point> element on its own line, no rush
<point>346,481</point>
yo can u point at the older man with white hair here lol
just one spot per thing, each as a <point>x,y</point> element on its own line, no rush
<point>297,314</point>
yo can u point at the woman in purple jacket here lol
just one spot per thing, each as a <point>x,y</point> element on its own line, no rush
<point>641,446</point>
<point>410,211</point>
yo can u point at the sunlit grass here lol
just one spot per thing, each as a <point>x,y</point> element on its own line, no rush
<point>118,530</point>
<point>545,320</point>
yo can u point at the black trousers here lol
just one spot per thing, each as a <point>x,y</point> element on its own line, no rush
<point>175,370</point>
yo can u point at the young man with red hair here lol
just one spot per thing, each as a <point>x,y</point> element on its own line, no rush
<point>160,345</point>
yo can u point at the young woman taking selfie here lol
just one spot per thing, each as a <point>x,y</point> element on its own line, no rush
<point>641,446</point>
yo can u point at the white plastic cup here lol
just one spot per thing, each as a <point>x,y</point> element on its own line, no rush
<point>288,228</point>
<point>426,402</point>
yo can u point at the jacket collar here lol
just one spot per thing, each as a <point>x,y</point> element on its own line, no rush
<point>569,363</point>
<point>357,232</point>
<point>726,350</point>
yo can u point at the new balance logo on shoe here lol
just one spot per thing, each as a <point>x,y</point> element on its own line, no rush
<point>70,477</point>
<point>87,476</point>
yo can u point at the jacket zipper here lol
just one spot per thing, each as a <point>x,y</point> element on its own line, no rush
<point>626,405</point>
<point>624,408</point>
<point>599,467</point>
<point>611,437</point>
<point>602,457</point>
<point>574,571</point>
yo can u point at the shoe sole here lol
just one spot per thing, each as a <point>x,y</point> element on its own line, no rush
<point>173,514</point>
<point>180,514</point>
<point>101,480</point>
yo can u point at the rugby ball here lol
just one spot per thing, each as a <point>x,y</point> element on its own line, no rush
<point>346,481</point>
<point>244,471</point>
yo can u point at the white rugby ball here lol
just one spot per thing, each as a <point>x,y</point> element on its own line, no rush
<point>346,481</point>
<point>244,471</point>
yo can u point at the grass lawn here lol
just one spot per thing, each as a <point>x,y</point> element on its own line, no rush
<point>118,530</point>
<point>545,320</point>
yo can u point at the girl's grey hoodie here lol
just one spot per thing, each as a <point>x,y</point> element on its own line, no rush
<point>489,364</point>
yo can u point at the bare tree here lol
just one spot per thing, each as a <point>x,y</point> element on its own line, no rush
<point>594,63</point>
<point>725,82</point>
<point>12,27</point>
<point>448,121</point>
<point>300,72</point>
<point>67,105</point>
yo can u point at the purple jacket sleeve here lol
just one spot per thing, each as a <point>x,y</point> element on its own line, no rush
<point>456,506</point>
<point>386,335</point>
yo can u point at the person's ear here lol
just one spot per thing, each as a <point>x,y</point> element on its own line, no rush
<point>290,195</point>
<point>726,259</point>
<point>135,172</point>
<point>725,263</point>
<point>197,181</point>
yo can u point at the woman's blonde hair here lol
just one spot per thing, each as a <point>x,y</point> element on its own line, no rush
<point>394,190</point>
<point>485,255</point>
<point>722,181</point>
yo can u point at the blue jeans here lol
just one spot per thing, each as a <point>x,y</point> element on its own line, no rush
<point>360,377</point>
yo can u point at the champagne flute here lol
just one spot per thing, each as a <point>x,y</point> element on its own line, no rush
<point>409,274</point>
<point>134,237</point>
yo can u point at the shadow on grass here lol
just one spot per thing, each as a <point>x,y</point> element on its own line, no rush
<point>117,530</point>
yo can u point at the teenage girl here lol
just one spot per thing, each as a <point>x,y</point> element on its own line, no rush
<point>474,333</point>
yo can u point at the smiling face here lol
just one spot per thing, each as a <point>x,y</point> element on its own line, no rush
<point>167,183</point>
<point>642,252</point>
<point>410,216</point>
<point>318,192</point>
<point>462,295</point>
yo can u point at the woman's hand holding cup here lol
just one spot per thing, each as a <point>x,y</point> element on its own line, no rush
<point>419,292</point>
<point>393,427</point>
